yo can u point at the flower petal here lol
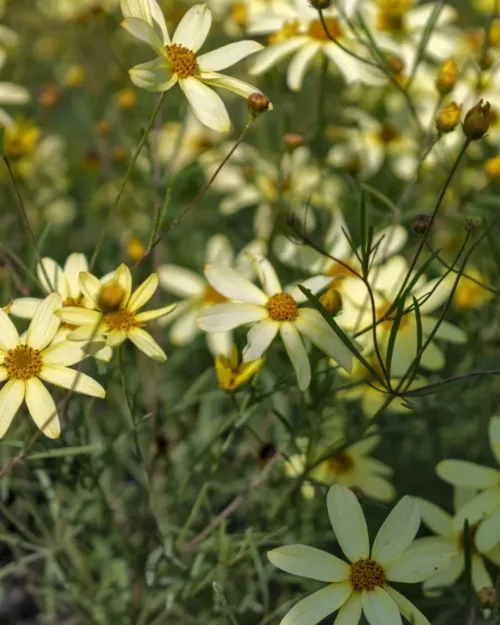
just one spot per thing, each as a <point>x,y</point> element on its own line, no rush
<point>311,324</point>
<point>480,576</point>
<point>407,609</point>
<point>24,307</point>
<point>445,578</point>
<point>52,277</point>
<point>309,562</point>
<point>11,397</point>
<point>146,343</point>
<point>74,380</point>
<point>314,284</point>
<point>181,282</point>
<point>297,354</point>
<point>275,53</point>
<point>350,612</point>
<point>436,519</point>
<point>469,474</point>
<point>155,75</point>
<point>64,354</point>
<point>421,562</point>
<point>240,87</point>
<point>379,608</point>
<point>267,276</point>
<point>44,325</point>
<point>260,336</point>
<point>75,316</point>
<point>487,536</point>
<point>317,606</point>
<point>299,63</point>
<point>224,317</point>
<point>227,55</point>
<point>348,522</point>
<point>9,337</point>
<point>42,408</point>
<point>74,265</point>
<point>124,279</point>
<point>397,532</point>
<point>233,285</point>
<point>143,293</point>
<point>90,287</point>
<point>157,313</point>
<point>480,506</point>
<point>193,27</point>
<point>206,104</point>
<point>145,32</point>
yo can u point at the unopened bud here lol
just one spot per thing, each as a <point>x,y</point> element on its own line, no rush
<point>320,4</point>
<point>448,118</point>
<point>477,121</point>
<point>49,96</point>
<point>487,597</point>
<point>126,99</point>
<point>420,223</point>
<point>331,301</point>
<point>447,76</point>
<point>492,167</point>
<point>494,35</point>
<point>110,296</point>
<point>470,225</point>
<point>258,103</point>
<point>135,249</point>
<point>293,140</point>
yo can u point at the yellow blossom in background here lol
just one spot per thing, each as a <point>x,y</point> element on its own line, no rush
<point>232,374</point>
<point>469,294</point>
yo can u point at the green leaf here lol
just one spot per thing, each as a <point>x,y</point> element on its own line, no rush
<point>62,452</point>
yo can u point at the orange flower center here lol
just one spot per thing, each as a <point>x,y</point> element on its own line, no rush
<point>366,575</point>
<point>288,30</point>
<point>121,319</point>
<point>183,60</point>
<point>22,363</point>
<point>387,133</point>
<point>316,30</point>
<point>339,463</point>
<point>282,307</point>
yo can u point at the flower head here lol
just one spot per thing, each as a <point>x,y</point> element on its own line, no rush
<point>362,585</point>
<point>231,373</point>
<point>178,60</point>
<point>25,363</point>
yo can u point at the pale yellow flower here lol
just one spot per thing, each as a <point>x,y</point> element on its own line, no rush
<point>231,373</point>
<point>25,363</point>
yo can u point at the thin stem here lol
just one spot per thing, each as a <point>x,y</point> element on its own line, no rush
<point>125,180</point>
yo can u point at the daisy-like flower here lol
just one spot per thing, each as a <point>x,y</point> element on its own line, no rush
<point>198,294</point>
<point>178,61</point>
<point>362,585</point>
<point>298,30</point>
<point>352,467</point>
<point>449,535</point>
<point>62,280</point>
<point>386,282</point>
<point>483,510</point>
<point>249,179</point>
<point>25,363</point>
<point>231,373</point>
<point>124,321</point>
<point>272,311</point>
<point>470,295</point>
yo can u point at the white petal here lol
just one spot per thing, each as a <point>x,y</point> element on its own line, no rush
<point>157,313</point>
<point>225,317</point>
<point>76,316</point>
<point>143,293</point>
<point>24,307</point>
<point>267,276</point>
<point>317,606</point>
<point>193,27</point>
<point>397,532</point>
<point>145,32</point>
<point>446,331</point>
<point>71,379</point>
<point>240,87</point>
<point>42,408</point>
<point>392,240</point>
<point>469,474</point>
<point>314,284</point>
<point>185,328</point>
<point>445,578</point>
<point>348,522</point>
<point>180,281</point>
<point>155,75</point>
<point>297,354</point>
<point>480,576</point>
<point>146,343</point>
<point>220,343</point>
<point>74,265</point>
<point>11,397</point>
<point>407,609</point>
<point>52,277</point>
<point>421,562</point>
<point>311,324</point>
<point>488,534</point>
<point>482,505</point>
<point>233,285</point>
<point>206,104</point>
<point>64,354</point>
<point>9,337</point>
<point>379,608</point>
<point>227,55</point>
<point>309,562</point>
<point>436,519</point>
<point>275,53</point>
<point>259,339</point>
<point>299,63</point>
<point>13,94</point>
<point>44,325</point>
<point>90,287</point>
<point>350,612</point>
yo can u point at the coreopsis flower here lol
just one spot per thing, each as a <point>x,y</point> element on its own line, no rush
<point>352,467</point>
<point>385,282</point>
<point>469,294</point>
<point>405,22</point>
<point>249,179</point>
<point>451,536</point>
<point>26,363</point>
<point>363,584</point>
<point>198,294</point>
<point>178,61</point>
<point>298,30</point>
<point>272,311</point>
<point>483,510</point>
<point>231,373</point>
<point>124,321</point>
<point>62,280</point>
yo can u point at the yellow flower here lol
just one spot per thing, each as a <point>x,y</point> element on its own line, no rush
<point>20,138</point>
<point>232,374</point>
<point>25,363</point>
<point>123,323</point>
<point>469,295</point>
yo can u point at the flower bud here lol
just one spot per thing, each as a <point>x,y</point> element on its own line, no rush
<point>420,223</point>
<point>320,4</point>
<point>487,597</point>
<point>470,225</point>
<point>477,121</point>
<point>258,103</point>
<point>492,167</point>
<point>49,96</point>
<point>126,99</point>
<point>293,140</point>
<point>110,296</point>
<point>447,76</point>
<point>135,249</point>
<point>331,301</point>
<point>448,118</point>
